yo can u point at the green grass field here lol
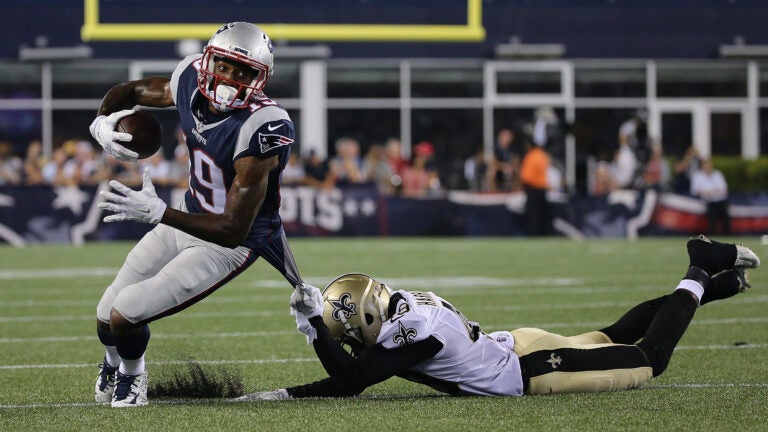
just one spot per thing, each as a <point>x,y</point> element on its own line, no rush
<point>717,379</point>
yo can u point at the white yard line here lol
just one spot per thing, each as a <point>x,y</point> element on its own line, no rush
<point>157,336</point>
<point>57,273</point>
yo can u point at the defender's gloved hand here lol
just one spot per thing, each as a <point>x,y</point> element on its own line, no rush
<point>306,303</point>
<point>103,131</point>
<point>308,300</point>
<point>141,206</point>
<point>279,394</point>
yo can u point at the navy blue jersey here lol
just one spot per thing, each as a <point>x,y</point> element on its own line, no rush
<point>262,130</point>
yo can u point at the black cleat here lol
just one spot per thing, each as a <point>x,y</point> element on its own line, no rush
<point>726,284</point>
<point>714,257</point>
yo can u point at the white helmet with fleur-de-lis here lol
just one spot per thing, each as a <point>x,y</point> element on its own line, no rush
<point>355,307</point>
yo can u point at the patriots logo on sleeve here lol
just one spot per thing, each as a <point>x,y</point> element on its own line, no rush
<point>270,141</point>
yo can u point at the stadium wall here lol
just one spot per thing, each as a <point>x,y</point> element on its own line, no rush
<point>43,214</point>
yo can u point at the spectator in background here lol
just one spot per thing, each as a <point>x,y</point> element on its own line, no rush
<point>504,164</point>
<point>33,164</point>
<point>394,150</point>
<point>656,173</point>
<point>534,175</point>
<point>11,166</point>
<point>347,166</point>
<point>377,169</point>
<point>547,132</point>
<point>475,171</point>
<point>624,165</point>
<point>178,170</point>
<point>683,170</point>
<point>318,173</point>
<point>419,178</point>
<point>159,169</point>
<point>82,168</point>
<point>125,172</point>
<point>53,171</point>
<point>555,178</point>
<point>293,174</point>
<point>605,183</point>
<point>708,184</point>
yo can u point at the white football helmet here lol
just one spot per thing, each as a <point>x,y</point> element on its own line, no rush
<point>355,307</point>
<point>240,42</point>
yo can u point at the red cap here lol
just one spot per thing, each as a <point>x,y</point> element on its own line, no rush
<point>424,148</point>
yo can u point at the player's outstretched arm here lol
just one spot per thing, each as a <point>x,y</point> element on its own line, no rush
<point>351,375</point>
<point>244,199</point>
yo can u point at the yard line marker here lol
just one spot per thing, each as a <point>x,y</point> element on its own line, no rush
<point>267,313</point>
<point>155,336</point>
<point>56,273</point>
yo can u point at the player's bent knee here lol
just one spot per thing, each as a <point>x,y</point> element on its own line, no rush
<point>104,308</point>
<point>657,357</point>
<point>121,326</point>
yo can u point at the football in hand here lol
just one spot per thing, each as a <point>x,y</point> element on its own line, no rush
<point>146,130</point>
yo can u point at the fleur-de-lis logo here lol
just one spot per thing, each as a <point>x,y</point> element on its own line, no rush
<point>554,360</point>
<point>404,336</point>
<point>343,307</point>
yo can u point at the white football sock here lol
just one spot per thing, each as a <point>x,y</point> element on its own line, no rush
<point>113,358</point>
<point>132,367</point>
<point>693,287</point>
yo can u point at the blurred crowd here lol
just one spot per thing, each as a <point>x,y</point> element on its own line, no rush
<point>82,163</point>
<point>382,165</point>
<point>639,162</point>
<point>526,158</point>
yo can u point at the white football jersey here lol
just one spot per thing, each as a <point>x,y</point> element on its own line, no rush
<point>485,366</point>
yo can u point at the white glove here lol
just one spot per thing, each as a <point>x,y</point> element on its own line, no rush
<point>307,300</point>
<point>279,394</point>
<point>306,303</point>
<point>103,131</point>
<point>142,206</point>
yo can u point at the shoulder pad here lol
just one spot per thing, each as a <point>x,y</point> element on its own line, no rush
<point>404,329</point>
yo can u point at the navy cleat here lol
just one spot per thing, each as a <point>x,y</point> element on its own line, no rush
<point>130,390</point>
<point>105,382</point>
<point>726,284</point>
<point>714,257</point>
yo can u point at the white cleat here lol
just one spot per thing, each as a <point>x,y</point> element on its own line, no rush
<point>130,390</point>
<point>105,382</point>
<point>279,394</point>
<point>745,258</point>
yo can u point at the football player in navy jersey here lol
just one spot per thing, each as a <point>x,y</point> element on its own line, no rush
<point>421,337</point>
<point>239,141</point>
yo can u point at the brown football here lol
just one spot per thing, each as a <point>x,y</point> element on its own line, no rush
<point>146,130</point>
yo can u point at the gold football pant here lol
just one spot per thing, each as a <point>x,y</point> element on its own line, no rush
<point>589,362</point>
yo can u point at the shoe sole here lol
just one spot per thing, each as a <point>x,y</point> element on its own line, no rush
<point>128,405</point>
<point>103,397</point>
<point>745,258</point>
